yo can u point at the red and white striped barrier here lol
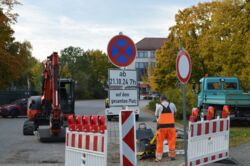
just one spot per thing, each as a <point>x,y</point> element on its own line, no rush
<point>208,141</point>
<point>127,138</point>
<point>86,143</point>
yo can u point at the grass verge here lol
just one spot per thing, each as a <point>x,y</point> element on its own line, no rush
<point>239,135</point>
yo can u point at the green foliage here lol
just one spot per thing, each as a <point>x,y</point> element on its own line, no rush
<point>175,96</point>
<point>152,104</point>
<point>36,76</point>
<point>15,57</point>
<point>216,35</point>
<point>89,69</point>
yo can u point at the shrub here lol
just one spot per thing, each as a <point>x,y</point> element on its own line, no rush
<point>175,96</point>
<point>152,103</point>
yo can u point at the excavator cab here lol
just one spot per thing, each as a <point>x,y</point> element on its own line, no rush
<point>67,96</point>
<point>38,112</point>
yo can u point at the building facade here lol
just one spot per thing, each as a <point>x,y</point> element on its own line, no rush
<point>145,57</point>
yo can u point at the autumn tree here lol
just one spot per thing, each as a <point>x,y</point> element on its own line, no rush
<point>14,56</point>
<point>216,35</point>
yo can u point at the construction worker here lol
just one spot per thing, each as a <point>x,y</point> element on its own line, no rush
<point>165,113</point>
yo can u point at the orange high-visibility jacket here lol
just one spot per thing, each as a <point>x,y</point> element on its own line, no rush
<point>166,118</point>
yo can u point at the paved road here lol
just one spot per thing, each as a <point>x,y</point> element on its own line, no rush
<point>16,149</point>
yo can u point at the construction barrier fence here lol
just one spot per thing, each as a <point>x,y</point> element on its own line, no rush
<point>86,143</point>
<point>208,141</point>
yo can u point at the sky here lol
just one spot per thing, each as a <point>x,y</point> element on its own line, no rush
<point>52,25</point>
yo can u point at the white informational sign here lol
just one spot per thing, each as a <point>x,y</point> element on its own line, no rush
<point>123,97</point>
<point>123,89</point>
<point>122,78</point>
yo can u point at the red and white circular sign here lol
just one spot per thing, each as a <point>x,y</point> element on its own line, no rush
<point>183,66</point>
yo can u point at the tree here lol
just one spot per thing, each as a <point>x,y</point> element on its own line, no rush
<point>36,76</point>
<point>216,35</point>
<point>89,69</point>
<point>98,77</point>
<point>13,54</point>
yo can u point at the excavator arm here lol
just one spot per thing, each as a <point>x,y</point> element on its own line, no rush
<point>53,107</point>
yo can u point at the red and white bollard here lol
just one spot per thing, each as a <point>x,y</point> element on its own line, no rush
<point>127,138</point>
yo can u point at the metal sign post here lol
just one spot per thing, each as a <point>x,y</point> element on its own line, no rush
<point>183,70</point>
<point>184,119</point>
<point>123,92</point>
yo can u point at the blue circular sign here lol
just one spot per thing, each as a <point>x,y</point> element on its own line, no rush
<point>121,50</point>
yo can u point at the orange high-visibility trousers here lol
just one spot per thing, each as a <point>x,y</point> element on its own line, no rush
<point>170,135</point>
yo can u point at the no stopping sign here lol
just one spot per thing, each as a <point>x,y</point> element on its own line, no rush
<point>183,66</point>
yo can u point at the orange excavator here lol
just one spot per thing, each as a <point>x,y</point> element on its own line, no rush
<point>48,113</point>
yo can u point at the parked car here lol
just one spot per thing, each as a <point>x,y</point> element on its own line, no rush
<point>155,95</point>
<point>14,109</point>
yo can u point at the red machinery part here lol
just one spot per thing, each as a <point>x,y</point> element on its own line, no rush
<point>33,113</point>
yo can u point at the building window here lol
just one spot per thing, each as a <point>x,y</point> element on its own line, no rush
<point>141,65</point>
<point>152,54</point>
<point>145,54</point>
<point>136,65</point>
<point>139,54</point>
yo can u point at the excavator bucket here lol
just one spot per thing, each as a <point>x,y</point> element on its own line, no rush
<point>45,135</point>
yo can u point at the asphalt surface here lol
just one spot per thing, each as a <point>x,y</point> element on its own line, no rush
<point>16,149</point>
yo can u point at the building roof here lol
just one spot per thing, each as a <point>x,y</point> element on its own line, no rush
<point>150,43</point>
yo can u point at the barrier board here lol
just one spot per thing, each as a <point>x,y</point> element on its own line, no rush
<point>208,141</point>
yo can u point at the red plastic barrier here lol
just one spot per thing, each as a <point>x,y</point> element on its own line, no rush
<point>194,115</point>
<point>210,113</point>
<point>93,123</point>
<point>78,119</point>
<point>102,123</point>
<point>225,112</point>
<point>101,120</point>
<point>71,123</point>
<point>85,123</point>
<point>78,123</point>
<point>85,120</point>
<point>93,120</point>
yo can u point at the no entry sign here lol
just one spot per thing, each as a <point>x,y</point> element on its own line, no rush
<point>183,66</point>
<point>183,70</point>
<point>121,50</point>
